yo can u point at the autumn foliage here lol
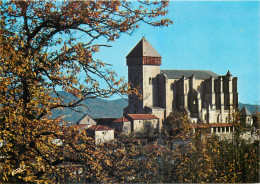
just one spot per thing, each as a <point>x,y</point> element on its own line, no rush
<point>47,46</point>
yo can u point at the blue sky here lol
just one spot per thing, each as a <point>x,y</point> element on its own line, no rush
<point>217,36</point>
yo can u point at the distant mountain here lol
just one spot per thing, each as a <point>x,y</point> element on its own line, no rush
<point>97,108</point>
<point>102,108</point>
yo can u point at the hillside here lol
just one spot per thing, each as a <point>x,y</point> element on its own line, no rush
<point>97,108</point>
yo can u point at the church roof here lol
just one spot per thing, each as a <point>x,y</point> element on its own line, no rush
<point>198,74</point>
<point>143,48</point>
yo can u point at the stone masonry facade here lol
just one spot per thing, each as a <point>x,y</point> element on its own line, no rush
<point>206,97</point>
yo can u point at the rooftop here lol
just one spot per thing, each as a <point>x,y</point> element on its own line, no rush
<point>79,126</point>
<point>122,119</point>
<point>142,116</point>
<point>198,74</point>
<point>143,48</point>
<point>245,112</point>
<point>99,128</point>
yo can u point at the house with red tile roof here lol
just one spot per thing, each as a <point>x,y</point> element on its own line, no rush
<point>122,125</point>
<point>100,133</point>
<point>137,121</point>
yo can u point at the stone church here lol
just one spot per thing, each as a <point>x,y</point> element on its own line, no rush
<point>205,96</point>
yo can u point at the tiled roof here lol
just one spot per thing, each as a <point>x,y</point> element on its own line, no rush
<point>99,128</point>
<point>122,119</point>
<point>206,125</point>
<point>198,74</point>
<point>79,126</point>
<point>142,116</point>
<point>143,48</point>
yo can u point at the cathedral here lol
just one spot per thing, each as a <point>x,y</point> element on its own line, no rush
<point>208,98</point>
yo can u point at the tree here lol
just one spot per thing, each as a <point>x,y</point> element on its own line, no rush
<point>147,131</point>
<point>42,51</point>
<point>177,124</point>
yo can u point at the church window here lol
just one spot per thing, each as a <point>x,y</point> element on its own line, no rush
<point>150,81</point>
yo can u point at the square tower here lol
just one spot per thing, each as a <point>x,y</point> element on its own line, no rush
<point>143,68</point>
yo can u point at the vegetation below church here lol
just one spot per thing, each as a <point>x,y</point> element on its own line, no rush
<point>48,46</point>
<point>198,159</point>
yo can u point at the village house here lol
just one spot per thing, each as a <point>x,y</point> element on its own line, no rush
<point>86,120</point>
<point>100,133</point>
<point>246,116</point>
<point>137,121</point>
<point>122,125</point>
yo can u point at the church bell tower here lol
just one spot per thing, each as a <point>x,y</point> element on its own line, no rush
<point>143,67</point>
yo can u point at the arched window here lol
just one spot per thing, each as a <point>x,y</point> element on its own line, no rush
<point>150,81</point>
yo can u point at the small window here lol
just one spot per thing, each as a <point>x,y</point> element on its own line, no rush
<point>103,132</point>
<point>139,121</point>
<point>150,81</point>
